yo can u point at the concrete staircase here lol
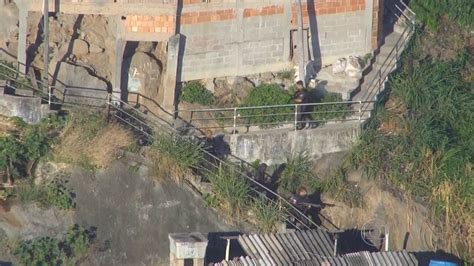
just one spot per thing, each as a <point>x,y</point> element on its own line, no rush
<point>397,35</point>
<point>23,102</point>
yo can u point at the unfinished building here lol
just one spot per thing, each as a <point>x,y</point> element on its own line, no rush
<point>213,38</point>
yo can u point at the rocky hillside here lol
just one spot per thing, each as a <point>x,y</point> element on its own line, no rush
<point>420,144</point>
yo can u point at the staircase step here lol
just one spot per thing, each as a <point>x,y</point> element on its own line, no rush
<point>24,92</point>
<point>85,96</point>
<point>3,85</point>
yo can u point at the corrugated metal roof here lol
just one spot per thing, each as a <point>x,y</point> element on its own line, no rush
<point>390,258</point>
<point>288,248</point>
<point>308,248</point>
<point>240,261</point>
<point>364,258</point>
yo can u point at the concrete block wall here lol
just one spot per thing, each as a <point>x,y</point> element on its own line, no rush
<point>241,37</point>
<point>341,35</point>
<point>209,49</point>
<point>234,41</point>
<point>247,37</point>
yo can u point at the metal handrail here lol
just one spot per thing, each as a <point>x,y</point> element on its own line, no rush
<point>144,121</point>
<point>359,107</point>
<point>378,81</point>
<point>264,106</point>
<point>407,8</point>
<point>235,117</point>
<point>48,96</point>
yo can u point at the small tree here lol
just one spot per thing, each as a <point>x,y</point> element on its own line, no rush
<point>10,150</point>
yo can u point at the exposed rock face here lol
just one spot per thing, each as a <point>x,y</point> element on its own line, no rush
<point>231,90</point>
<point>31,221</point>
<point>339,66</point>
<point>8,29</point>
<point>353,67</point>
<point>80,47</point>
<point>241,88</point>
<point>144,74</point>
<point>95,49</point>
<point>80,86</point>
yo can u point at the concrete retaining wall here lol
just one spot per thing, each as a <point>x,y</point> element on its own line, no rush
<point>273,147</point>
<point>27,108</point>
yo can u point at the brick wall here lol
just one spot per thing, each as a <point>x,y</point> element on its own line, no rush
<point>149,24</point>
<point>377,15</point>
<point>326,7</point>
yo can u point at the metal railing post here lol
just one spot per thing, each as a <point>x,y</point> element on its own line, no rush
<point>109,100</point>
<point>49,96</point>
<point>296,116</point>
<point>396,54</point>
<point>360,111</point>
<point>380,81</point>
<point>235,119</point>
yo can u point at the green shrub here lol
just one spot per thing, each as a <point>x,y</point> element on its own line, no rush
<point>19,150</point>
<point>10,154</point>
<point>230,189</point>
<point>268,214</point>
<point>54,193</point>
<point>267,94</point>
<point>35,142</point>
<point>175,156</point>
<point>42,251</point>
<point>210,200</point>
<point>53,251</point>
<point>427,150</point>
<point>195,92</point>
<point>297,172</point>
<point>29,193</point>
<point>8,72</point>
<point>330,111</point>
<point>339,188</point>
<point>431,12</point>
<point>286,74</point>
<point>77,241</point>
<point>58,195</point>
<point>186,152</point>
<point>89,123</point>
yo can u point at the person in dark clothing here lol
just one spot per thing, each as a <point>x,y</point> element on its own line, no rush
<point>301,97</point>
<point>260,174</point>
<point>300,199</point>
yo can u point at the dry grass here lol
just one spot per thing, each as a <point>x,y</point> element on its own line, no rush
<point>91,143</point>
<point>165,166</point>
<point>392,123</point>
<point>6,125</point>
<point>102,148</point>
<point>455,222</point>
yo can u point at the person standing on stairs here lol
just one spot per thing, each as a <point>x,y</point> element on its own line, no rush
<point>301,97</point>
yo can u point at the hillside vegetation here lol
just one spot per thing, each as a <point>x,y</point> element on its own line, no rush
<point>421,140</point>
